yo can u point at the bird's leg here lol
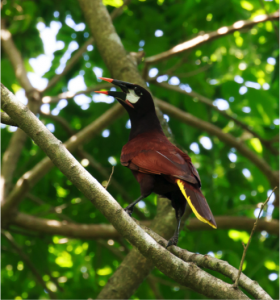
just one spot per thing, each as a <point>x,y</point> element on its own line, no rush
<point>174,239</point>
<point>129,208</point>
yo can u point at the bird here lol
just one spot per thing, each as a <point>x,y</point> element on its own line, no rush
<point>159,166</point>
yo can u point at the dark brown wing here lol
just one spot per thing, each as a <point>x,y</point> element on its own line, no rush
<point>161,163</point>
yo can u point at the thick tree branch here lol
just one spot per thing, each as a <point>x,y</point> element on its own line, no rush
<point>96,165</point>
<point>185,273</point>
<point>75,58</point>
<point>125,281</point>
<point>212,263</point>
<point>30,178</point>
<point>15,57</point>
<point>106,231</point>
<point>119,62</point>
<point>272,176</point>
<point>12,153</point>
<point>9,162</point>
<point>207,37</point>
<point>6,119</point>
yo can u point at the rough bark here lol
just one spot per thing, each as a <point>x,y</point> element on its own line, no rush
<point>31,177</point>
<point>107,231</point>
<point>185,273</point>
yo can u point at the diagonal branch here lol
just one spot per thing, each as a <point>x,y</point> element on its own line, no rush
<point>93,163</point>
<point>13,151</point>
<point>212,263</point>
<point>207,37</point>
<point>185,273</point>
<point>235,285</point>
<point>208,102</point>
<point>15,57</point>
<point>30,178</point>
<point>71,63</point>
<point>5,119</point>
<point>70,95</point>
<point>75,58</point>
<point>272,176</point>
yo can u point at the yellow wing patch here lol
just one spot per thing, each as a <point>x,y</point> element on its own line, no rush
<point>188,198</point>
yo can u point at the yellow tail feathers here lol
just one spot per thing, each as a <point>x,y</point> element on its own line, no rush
<point>202,219</point>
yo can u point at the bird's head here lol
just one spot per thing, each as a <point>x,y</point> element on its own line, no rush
<point>134,98</point>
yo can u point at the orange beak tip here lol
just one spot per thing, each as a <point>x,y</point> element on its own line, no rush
<point>106,79</point>
<point>101,92</point>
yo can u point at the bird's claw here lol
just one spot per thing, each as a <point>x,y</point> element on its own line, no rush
<point>128,211</point>
<point>172,241</point>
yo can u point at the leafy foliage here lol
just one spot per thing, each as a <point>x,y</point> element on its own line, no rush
<point>241,68</point>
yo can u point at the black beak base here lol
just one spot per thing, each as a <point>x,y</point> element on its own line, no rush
<point>123,85</point>
<point>117,95</point>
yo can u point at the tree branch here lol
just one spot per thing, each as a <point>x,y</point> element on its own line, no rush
<point>96,165</point>
<point>207,37</point>
<point>9,162</point>
<point>208,102</point>
<point>12,153</point>
<point>70,95</point>
<point>212,263</point>
<point>119,62</point>
<point>75,58</point>
<point>6,119</point>
<point>272,176</point>
<point>185,273</point>
<point>106,231</point>
<point>247,246</point>
<point>71,63</point>
<point>15,57</point>
<point>30,178</point>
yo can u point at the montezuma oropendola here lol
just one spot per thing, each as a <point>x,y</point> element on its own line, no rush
<point>157,164</point>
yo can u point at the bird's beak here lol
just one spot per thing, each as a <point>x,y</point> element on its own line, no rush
<point>125,86</point>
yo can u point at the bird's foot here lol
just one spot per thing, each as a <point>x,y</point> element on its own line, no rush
<point>172,241</point>
<point>128,211</point>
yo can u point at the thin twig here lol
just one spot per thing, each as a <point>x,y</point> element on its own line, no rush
<point>235,285</point>
<point>108,182</point>
<point>272,176</point>
<point>209,102</point>
<point>207,37</point>
<point>70,95</point>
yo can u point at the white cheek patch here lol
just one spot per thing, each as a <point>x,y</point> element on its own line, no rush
<point>132,97</point>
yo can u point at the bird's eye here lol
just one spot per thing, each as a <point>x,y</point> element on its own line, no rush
<point>137,91</point>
